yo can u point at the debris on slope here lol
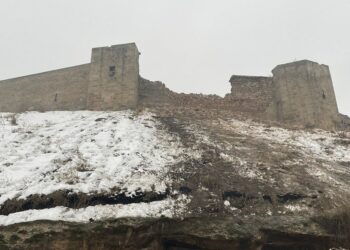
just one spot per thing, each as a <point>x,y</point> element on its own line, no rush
<point>248,168</point>
<point>83,166</point>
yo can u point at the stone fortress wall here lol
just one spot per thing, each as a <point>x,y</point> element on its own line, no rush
<point>63,89</point>
<point>109,82</point>
<point>303,93</point>
<point>114,78</point>
<point>298,93</point>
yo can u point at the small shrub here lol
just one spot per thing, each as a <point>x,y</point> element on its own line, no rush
<point>337,223</point>
<point>14,238</point>
<point>37,238</point>
<point>309,126</point>
<point>139,111</point>
<point>13,120</point>
<point>342,142</point>
<point>210,182</point>
<point>82,163</point>
<point>343,134</point>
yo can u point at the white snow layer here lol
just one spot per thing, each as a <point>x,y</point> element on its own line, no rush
<point>321,151</point>
<point>86,152</point>
<point>317,144</point>
<point>94,152</point>
<point>155,209</point>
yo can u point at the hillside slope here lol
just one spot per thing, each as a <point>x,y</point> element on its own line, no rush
<point>87,166</point>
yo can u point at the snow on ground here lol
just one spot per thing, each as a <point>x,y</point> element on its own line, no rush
<point>94,152</point>
<point>155,209</point>
<point>85,152</point>
<point>321,151</point>
<point>320,144</point>
<point>88,152</point>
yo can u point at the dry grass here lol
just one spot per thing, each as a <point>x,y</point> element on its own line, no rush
<point>337,223</point>
<point>13,120</point>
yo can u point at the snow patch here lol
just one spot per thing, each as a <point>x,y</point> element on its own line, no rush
<point>86,152</point>
<point>166,208</point>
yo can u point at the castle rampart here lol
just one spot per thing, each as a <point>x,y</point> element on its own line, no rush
<point>109,82</point>
<point>63,89</point>
<point>298,93</point>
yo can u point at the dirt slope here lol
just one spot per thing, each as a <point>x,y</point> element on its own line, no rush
<point>222,181</point>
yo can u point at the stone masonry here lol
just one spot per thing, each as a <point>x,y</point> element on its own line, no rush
<point>251,93</point>
<point>299,93</point>
<point>109,82</point>
<point>113,80</point>
<point>303,94</point>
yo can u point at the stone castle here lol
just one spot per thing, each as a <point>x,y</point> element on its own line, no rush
<point>299,93</point>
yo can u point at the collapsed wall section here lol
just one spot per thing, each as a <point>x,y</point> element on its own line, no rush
<point>252,94</point>
<point>63,89</point>
<point>153,94</point>
<point>157,95</point>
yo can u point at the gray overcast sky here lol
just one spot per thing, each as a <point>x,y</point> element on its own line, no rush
<point>191,45</point>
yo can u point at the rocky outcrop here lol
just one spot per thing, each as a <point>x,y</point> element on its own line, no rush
<point>223,233</point>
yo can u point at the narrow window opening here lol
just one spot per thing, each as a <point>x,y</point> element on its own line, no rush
<point>111,71</point>
<point>56,97</point>
<point>323,95</point>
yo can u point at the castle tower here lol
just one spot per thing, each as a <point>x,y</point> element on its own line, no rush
<point>114,78</point>
<point>303,94</point>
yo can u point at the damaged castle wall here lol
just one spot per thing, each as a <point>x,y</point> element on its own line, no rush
<point>304,94</point>
<point>252,94</point>
<point>157,95</point>
<point>299,93</point>
<point>109,82</point>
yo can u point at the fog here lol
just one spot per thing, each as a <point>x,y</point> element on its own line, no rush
<point>191,45</point>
